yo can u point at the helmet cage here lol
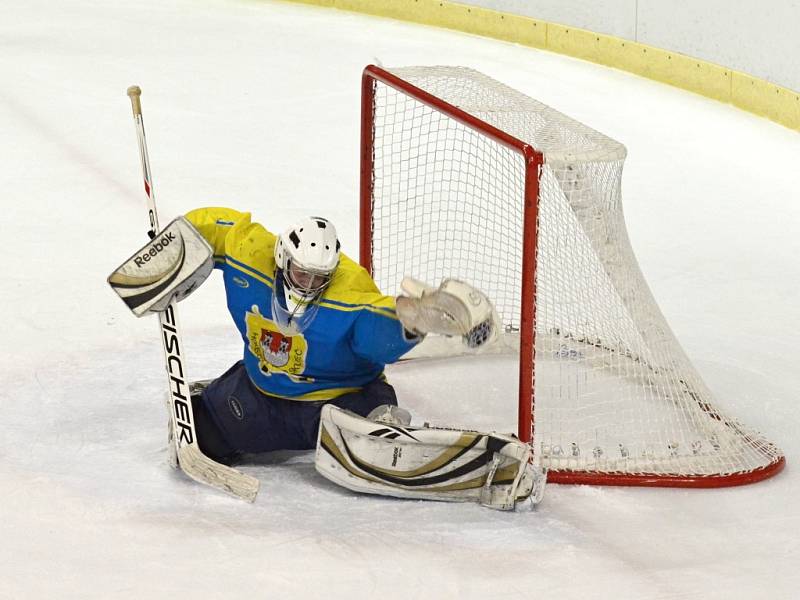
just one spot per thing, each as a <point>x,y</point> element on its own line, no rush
<point>304,281</point>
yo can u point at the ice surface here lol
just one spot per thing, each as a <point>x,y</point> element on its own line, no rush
<point>255,105</point>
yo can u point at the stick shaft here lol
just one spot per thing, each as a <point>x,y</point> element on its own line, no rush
<point>135,93</point>
<point>170,330</point>
<point>191,460</point>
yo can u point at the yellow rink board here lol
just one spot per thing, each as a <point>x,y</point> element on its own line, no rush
<point>747,92</point>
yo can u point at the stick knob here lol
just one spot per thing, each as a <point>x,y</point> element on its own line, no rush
<point>135,93</point>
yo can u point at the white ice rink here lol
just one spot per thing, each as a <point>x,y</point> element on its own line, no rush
<point>255,105</point>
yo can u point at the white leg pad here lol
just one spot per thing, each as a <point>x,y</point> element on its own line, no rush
<point>426,462</point>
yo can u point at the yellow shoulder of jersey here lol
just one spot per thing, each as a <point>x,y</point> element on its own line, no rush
<point>249,247</point>
<point>352,288</point>
<point>237,240</point>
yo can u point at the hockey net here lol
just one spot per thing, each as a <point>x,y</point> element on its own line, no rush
<point>464,177</point>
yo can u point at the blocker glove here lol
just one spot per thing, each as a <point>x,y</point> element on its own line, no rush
<point>166,269</point>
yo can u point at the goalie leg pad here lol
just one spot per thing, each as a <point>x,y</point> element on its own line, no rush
<point>425,462</point>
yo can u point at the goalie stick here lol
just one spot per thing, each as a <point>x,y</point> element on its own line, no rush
<point>190,459</point>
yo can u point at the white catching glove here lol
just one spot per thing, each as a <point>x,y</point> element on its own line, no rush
<point>454,308</point>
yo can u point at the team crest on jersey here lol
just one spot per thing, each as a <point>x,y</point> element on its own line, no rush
<point>277,353</point>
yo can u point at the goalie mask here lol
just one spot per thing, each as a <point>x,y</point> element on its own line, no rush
<point>306,256</point>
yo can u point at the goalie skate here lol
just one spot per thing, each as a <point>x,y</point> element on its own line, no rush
<point>426,462</point>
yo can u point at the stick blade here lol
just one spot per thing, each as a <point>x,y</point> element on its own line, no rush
<point>204,470</point>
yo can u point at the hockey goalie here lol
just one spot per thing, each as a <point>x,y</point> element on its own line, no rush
<point>317,336</point>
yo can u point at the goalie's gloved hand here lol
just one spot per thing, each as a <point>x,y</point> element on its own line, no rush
<point>166,269</point>
<point>455,308</point>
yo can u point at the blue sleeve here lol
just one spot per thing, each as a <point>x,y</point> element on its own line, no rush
<point>378,337</point>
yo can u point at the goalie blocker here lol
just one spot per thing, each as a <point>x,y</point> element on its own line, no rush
<point>168,268</point>
<point>426,462</point>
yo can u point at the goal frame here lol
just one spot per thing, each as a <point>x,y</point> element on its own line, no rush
<point>533,160</point>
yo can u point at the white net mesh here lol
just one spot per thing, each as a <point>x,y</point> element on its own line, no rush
<point>614,392</point>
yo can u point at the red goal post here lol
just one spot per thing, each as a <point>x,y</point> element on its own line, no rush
<point>532,160</point>
<point>606,395</point>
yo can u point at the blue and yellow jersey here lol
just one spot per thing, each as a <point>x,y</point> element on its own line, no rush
<point>353,336</point>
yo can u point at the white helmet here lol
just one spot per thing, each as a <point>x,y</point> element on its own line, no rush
<point>306,256</point>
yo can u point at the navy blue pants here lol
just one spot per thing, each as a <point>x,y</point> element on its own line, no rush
<point>232,417</point>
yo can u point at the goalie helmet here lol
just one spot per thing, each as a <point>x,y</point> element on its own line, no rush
<point>308,254</point>
<point>306,257</point>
